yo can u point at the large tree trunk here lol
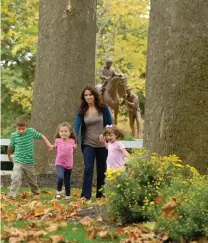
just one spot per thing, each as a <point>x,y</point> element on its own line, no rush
<point>176,114</point>
<point>65,64</point>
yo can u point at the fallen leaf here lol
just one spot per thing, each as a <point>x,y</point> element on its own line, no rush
<point>91,234</point>
<point>57,238</point>
<point>45,240</point>
<point>120,230</point>
<point>150,225</point>
<point>73,214</point>
<point>182,240</point>
<point>202,240</point>
<point>34,241</point>
<point>158,199</point>
<point>63,224</point>
<point>15,239</point>
<point>74,229</point>
<point>52,227</point>
<point>40,212</point>
<point>47,192</point>
<point>34,204</point>
<point>131,172</point>
<point>75,194</point>
<point>148,236</point>
<point>24,195</point>
<point>86,221</point>
<point>99,219</point>
<point>169,208</point>
<point>103,234</point>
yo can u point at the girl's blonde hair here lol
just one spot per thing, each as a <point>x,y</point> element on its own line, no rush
<point>69,126</point>
<point>114,129</point>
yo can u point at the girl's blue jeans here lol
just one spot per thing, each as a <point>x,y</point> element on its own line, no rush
<point>63,177</point>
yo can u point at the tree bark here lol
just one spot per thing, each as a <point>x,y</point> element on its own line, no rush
<point>65,64</point>
<point>176,110</point>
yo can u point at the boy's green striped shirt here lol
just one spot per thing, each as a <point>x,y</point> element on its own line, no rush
<point>24,145</point>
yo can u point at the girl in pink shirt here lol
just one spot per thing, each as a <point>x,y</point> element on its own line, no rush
<point>116,150</point>
<point>64,145</point>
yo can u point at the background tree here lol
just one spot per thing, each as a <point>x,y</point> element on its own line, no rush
<point>176,111</point>
<point>65,64</point>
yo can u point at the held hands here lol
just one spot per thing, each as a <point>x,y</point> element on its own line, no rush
<point>51,147</point>
<point>102,139</point>
<point>10,158</point>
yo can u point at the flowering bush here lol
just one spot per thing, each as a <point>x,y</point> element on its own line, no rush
<point>133,192</point>
<point>188,216</point>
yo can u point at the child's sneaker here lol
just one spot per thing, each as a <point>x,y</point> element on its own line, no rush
<point>67,197</point>
<point>36,197</point>
<point>58,194</point>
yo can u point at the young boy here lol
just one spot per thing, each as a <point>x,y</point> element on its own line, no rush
<point>23,158</point>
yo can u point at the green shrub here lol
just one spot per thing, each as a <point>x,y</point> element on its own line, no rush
<point>132,193</point>
<point>189,218</point>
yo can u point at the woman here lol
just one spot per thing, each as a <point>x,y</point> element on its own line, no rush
<point>92,117</point>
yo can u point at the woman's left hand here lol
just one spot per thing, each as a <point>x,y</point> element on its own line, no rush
<point>75,146</point>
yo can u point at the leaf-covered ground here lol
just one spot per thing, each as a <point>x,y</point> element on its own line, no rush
<point>51,221</point>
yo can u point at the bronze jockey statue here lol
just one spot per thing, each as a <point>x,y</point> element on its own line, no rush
<point>106,72</point>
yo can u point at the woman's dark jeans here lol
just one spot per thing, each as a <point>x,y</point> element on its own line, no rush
<point>90,154</point>
<point>63,176</point>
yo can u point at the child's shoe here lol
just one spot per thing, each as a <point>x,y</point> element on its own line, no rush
<point>67,197</point>
<point>36,197</point>
<point>58,194</point>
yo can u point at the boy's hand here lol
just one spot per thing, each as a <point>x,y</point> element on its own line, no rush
<point>10,158</point>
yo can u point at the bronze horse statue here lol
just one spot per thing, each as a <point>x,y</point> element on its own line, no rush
<point>115,88</point>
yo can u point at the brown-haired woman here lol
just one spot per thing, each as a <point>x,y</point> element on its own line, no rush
<point>92,116</point>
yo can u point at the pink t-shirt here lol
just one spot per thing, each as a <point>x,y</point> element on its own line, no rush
<point>65,149</point>
<point>115,156</point>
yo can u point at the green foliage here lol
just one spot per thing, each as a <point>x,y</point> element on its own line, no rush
<point>19,42</point>
<point>133,192</point>
<point>189,218</point>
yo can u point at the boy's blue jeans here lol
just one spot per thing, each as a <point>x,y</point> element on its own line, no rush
<point>63,176</point>
<point>90,154</point>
